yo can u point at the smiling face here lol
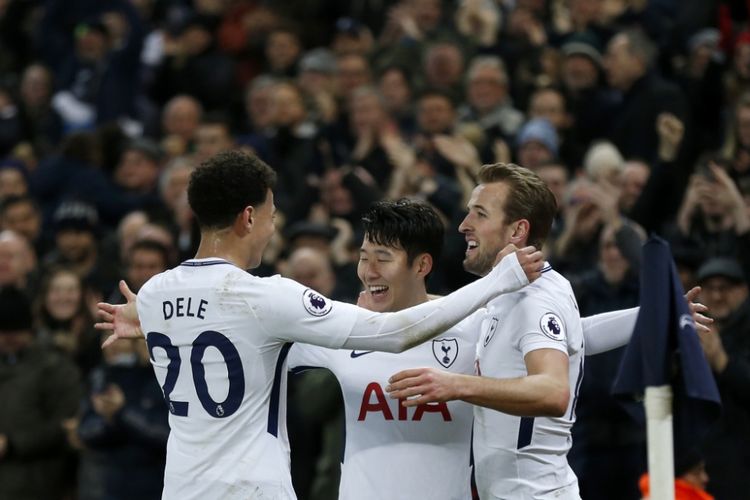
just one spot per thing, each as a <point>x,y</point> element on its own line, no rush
<point>390,281</point>
<point>63,299</point>
<point>486,227</point>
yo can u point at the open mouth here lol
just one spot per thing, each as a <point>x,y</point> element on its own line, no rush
<point>471,245</point>
<point>377,290</point>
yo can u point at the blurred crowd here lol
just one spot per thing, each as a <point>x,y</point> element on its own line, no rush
<point>635,112</point>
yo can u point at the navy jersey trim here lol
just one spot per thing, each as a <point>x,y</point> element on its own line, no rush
<point>546,268</point>
<point>525,431</point>
<point>205,263</point>
<point>343,429</point>
<point>299,369</point>
<point>577,389</point>
<point>273,410</point>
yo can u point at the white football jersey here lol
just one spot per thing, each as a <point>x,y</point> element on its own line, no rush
<point>394,452</point>
<point>218,338</point>
<point>526,458</point>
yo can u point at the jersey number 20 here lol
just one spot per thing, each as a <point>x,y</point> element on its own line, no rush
<point>234,369</point>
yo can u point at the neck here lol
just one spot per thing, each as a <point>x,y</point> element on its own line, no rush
<point>419,297</point>
<point>221,244</point>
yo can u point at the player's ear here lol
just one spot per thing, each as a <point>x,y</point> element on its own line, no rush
<point>520,232</point>
<point>423,264</point>
<point>245,219</point>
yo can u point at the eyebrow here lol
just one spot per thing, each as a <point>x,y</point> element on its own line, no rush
<point>477,206</point>
<point>385,253</point>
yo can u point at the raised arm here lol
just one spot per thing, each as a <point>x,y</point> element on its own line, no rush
<point>389,332</point>
<point>607,331</point>
<point>398,331</point>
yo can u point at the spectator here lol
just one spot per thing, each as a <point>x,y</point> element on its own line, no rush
<point>97,77</point>
<point>42,124</point>
<point>180,119</point>
<point>551,104</point>
<point>609,449</point>
<point>63,320</point>
<point>212,136</point>
<point>397,88</point>
<point>537,143</point>
<point>713,217</point>
<point>591,103</point>
<point>124,428</point>
<point>488,99</point>
<point>317,81</point>
<point>725,292</point>
<point>14,179</point>
<point>11,126</point>
<point>17,262</point>
<point>293,151</point>
<point>77,247</point>
<point>283,49</point>
<point>22,215</point>
<point>138,169</point>
<point>147,259</point>
<point>370,122</point>
<point>690,479</point>
<point>629,66</point>
<point>193,65</point>
<point>603,162</point>
<point>635,174</point>
<point>39,389</point>
<point>351,37</point>
<point>443,66</point>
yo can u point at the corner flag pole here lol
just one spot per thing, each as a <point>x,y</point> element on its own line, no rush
<point>658,404</point>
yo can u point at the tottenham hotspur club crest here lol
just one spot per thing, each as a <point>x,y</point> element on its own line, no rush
<point>552,326</point>
<point>445,351</point>
<point>316,304</point>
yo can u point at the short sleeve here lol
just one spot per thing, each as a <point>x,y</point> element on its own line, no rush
<point>539,325</point>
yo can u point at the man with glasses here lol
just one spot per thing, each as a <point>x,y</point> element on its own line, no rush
<point>727,348</point>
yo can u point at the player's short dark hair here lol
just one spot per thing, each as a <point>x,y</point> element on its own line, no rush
<point>410,225</point>
<point>528,198</point>
<point>222,186</point>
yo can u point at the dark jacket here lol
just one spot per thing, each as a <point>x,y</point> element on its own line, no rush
<point>634,128</point>
<point>727,447</point>
<point>39,388</point>
<point>129,452</point>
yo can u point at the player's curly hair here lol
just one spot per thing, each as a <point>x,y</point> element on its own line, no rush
<point>222,186</point>
<point>410,225</point>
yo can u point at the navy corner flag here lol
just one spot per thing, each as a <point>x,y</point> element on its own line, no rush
<point>665,349</point>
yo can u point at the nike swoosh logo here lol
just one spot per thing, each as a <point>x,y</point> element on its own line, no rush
<point>356,354</point>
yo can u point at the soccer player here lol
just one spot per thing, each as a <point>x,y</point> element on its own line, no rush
<point>529,356</point>
<point>218,337</point>
<point>393,452</point>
